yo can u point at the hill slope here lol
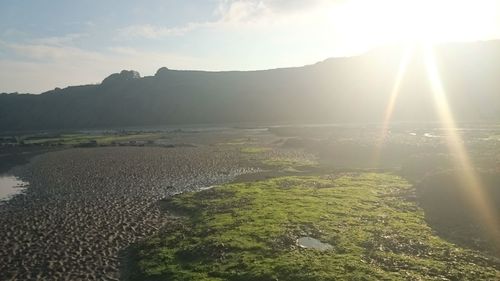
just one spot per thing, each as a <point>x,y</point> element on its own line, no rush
<point>354,89</point>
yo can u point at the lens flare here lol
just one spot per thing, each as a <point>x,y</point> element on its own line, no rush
<point>403,67</point>
<point>470,178</point>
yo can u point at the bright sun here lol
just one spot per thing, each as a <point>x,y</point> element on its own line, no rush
<point>395,21</point>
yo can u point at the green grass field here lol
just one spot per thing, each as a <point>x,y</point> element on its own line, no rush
<point>248,231</point>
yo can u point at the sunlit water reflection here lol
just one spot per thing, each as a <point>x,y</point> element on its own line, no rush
<point>311,243</point>
<point>9,186</point>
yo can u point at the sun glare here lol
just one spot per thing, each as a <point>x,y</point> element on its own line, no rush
<point>406,57</point>
<point>455,143</point>
<point>403,66</point>
<point>469,177</point>
<point>396,21</point>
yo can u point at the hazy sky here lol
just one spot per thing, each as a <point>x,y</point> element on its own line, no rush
<point>54,43</point>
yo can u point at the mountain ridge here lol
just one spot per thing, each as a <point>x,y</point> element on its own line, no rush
<point>347,89</point>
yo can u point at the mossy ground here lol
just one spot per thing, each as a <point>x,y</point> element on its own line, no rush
<point>290,162</point>
<point>254,149</point>
<point>274,160</point>
<point>248,231</point>
<point>239,141</point>
<point>79,138</point>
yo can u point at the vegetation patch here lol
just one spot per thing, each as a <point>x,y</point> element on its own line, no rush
<point>239,141</point>
<point>255,150</point>
<point>289,162</point>
<point>249,231</point>
<point>75,139</point>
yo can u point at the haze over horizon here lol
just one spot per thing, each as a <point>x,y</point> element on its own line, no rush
<point>48,44</point>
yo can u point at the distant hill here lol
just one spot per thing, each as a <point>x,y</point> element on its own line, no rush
<point>354,89</point>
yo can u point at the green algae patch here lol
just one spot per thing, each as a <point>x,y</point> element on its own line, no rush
<point>82,138</point>
<point>254,150</point>
<point>250,231</point>
<point>289,162</point>
<point>240,141</point>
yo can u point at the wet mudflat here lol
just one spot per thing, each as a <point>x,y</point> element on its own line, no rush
<point>84,206</point>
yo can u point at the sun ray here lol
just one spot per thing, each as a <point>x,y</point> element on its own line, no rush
<point>384,131</point>
<point>403,66</point>
<point>469,176</point>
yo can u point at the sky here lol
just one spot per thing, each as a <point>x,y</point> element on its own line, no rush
<point>56,43</point>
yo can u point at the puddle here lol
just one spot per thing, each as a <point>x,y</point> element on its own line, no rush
<point>311,243</point>
<point>429,135</point>
<point>10,186</point>
<point>206,187</point>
